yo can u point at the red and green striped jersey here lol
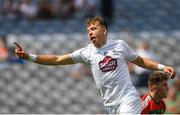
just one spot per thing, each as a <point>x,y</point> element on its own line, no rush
<point>150,106</point>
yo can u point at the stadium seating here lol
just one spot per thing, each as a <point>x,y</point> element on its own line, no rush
<point>33,88</point>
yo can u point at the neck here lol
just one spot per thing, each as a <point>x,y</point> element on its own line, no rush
<point>155,97</point>
<point>102,43</point>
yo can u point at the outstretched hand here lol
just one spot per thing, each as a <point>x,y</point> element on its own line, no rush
<point>21,53</point>
<point>170,71</point>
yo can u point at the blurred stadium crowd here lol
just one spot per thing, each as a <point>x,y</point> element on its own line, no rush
<point>53,9</point>
<point>58,26</point>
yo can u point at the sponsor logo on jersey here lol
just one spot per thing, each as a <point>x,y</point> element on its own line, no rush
<point>108,64</point>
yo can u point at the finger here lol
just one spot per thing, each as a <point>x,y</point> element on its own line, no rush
<point>171,76</point>
<point>17,51</point>
<point>168,71</point>
<point>173,73</point>
<point>18,46</point>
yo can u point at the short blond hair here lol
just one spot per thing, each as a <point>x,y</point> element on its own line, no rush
<point>96,19</point>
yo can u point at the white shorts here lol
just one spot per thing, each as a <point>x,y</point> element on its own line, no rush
<point>126,107</point>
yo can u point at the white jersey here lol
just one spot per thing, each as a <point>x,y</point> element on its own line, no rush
<point>110,71</point>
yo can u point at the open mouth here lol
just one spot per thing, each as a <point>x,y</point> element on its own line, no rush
<point>92,39</point>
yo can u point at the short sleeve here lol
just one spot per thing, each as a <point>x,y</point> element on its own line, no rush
<point>145,110</point>
<point>130,54</point>
<point>79,56</point>
<point>145,104</point>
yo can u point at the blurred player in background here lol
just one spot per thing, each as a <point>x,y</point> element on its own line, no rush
<point>4,53</point>
<point>173,99</point>
<point>152,101</point>
<point>144,50</point>
<point>107,59</point>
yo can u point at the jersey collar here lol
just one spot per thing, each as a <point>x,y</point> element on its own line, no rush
<point>105,45</point>
<point>156,102</point>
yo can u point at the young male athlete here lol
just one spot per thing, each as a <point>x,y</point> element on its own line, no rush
<point>158,88</point>
<point>107,59</point>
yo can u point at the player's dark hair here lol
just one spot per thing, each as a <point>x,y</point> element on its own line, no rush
<point>96,19</point>
<point>157,77</point>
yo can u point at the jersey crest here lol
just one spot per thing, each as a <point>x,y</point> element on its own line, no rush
<point>108,64</point>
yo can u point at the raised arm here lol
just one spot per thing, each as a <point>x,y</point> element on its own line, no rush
<point>44,59</point>
<point>150,64</point>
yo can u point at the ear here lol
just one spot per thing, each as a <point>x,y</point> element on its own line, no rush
<point>153,87</point>
<point>105,31</point>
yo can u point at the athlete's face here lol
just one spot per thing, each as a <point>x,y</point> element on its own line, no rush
<point>97,34</point>
<point>162,89</point>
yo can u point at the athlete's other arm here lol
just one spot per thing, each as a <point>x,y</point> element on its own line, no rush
<point>150,64</point>
<point>44,59</point>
